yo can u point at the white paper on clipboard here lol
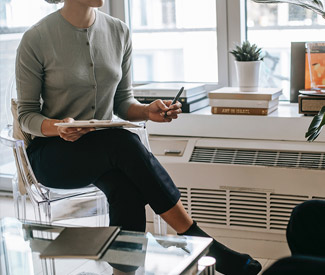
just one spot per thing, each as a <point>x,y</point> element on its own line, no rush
<point>94,123</point>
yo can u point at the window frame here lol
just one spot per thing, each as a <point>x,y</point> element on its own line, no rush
<point>231,30</point>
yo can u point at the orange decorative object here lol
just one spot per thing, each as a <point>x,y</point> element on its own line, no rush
<point>315,65</point>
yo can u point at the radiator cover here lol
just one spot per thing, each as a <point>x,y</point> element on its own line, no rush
<point>235,209</point>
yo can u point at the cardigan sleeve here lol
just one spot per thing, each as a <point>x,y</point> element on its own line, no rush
<point>124,94</point>
<point>29,81</point>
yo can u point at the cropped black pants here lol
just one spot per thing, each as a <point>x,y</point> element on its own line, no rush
<point>116,162</point>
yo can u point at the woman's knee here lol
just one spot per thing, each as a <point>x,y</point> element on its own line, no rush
<point>126,203</point>
<point>129,217</point>
<point>127,208</point>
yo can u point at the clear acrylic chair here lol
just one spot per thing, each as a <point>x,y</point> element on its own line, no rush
<point>52,205</point>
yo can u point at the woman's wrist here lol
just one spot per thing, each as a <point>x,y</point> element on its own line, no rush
<point>48,128</point>
<point>138,112</point>
<point>146,111</point>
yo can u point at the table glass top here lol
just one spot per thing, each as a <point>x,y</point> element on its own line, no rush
<point>140,253</point>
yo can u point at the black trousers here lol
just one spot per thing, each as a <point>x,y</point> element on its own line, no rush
<point>116,162</point>
<point>306,229</point>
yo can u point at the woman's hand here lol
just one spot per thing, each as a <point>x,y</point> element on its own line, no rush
<point>162,110</point>
<point>72,133</point>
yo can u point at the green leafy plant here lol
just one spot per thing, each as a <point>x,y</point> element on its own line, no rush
<point>314,5</point>
<point>317,6</point>
<point>316,125</point>
<point>247,52</point>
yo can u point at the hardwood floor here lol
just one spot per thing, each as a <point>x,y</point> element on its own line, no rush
<point>77,267</point>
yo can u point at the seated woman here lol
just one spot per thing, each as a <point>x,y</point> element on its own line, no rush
<point>76,64</point>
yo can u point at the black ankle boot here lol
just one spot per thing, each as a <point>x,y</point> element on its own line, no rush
<point>228,261</point>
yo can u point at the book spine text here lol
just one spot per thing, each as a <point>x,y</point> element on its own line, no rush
<point>239,111</point>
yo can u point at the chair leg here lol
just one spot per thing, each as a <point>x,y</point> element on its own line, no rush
<point>105,216</point>
<point>22,203</point>
<point>159,225</point>
<point>37,213</point>
<point>19,201</point>
<point>48,212</point>
<point>42,212</point>
<point>102,210</point>
<point>48,266</point>
<point>20,207</point>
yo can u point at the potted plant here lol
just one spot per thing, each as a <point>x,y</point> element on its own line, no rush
<point>248,60</point>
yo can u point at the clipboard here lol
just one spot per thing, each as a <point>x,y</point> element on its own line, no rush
<point>94,123</point>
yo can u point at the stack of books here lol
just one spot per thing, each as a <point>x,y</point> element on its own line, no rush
<point>230,101</point>
<point>194,96</point>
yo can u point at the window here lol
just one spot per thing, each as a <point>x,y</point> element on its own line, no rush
<point>174,40</point>
<point>273,27</point>
<point>14,20</point>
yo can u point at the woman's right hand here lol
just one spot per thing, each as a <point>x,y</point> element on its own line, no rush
<point>72,133</point>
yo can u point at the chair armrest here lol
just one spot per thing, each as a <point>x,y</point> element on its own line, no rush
<point>6,137</point>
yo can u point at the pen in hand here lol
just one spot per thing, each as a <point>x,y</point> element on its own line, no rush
<point>176,98</point>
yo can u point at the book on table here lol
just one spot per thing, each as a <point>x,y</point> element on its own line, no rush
<point>182,99</point>
<point>168,89</point>
<point>189,107</point>
<point>235,93</point>
<point>243,103</point>
<point>230,100</point>
<point>242,110</point>
<point>81,242</point>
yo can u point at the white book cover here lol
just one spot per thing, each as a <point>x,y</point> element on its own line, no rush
<point>168,89</point>
<point>243,103</point>
<point>235,93</point>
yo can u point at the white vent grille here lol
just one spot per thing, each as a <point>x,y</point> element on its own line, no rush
<point>236,209</point>
<point>281,207</point>
<point>257,157</point>
<point>209,206</point>
<point>248,209</point>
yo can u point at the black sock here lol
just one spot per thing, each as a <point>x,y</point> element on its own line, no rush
<point>228,261</point>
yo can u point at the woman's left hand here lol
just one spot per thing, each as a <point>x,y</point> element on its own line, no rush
<point>162,110</point>
<point>72,133</point>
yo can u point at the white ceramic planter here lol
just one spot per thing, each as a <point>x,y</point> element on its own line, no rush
<point>248,73</point>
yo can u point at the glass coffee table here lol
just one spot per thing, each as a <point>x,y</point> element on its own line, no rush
<point>130,253</point>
